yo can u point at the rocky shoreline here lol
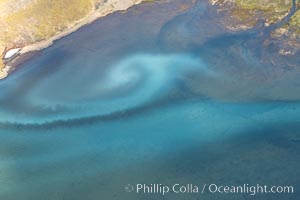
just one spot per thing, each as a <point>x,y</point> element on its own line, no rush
<point>107,7</point>
<point>280,18</point>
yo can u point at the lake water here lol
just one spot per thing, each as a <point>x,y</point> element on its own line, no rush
<point>159,94</point>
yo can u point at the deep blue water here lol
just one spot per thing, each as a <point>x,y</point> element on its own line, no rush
<point>159,94</point>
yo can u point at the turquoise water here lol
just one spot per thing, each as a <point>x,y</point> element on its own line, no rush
<point>154,95</point>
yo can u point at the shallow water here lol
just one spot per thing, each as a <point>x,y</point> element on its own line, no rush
<point>154,95</point>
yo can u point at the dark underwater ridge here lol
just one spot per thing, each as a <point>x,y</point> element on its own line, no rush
<point>160,94</point>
